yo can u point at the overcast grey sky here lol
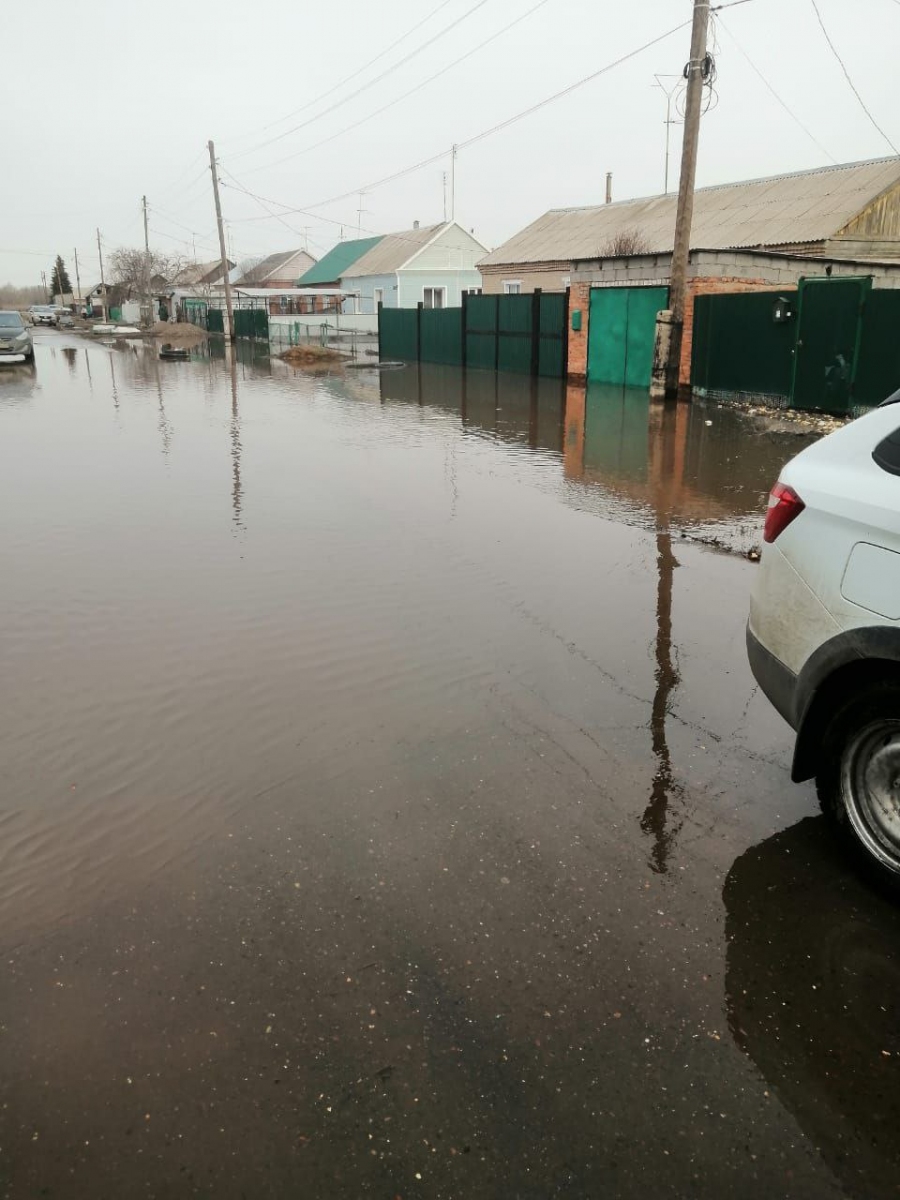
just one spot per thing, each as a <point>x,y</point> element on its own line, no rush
<point>115,100</point>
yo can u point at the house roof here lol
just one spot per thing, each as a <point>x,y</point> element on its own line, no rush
<point>334,264</point>
<point>273,264</point>
<point>783,210</point>
<point>195,273</point>
<point>394,250</point>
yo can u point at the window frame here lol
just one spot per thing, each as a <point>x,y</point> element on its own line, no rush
<point>512,287</point>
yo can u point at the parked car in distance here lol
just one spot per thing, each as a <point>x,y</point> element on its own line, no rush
<point>824,631</point>
<point>64,318</point>
<point>42,314</point>
<point>15,339</point>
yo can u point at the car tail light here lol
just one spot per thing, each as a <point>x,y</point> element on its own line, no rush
<point>784,506</point>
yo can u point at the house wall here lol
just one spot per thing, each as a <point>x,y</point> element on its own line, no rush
<point>549,277</point>
<point>452,250</point>
<point>366,285</point>
<point>879,219</point>
<point>412,283</point>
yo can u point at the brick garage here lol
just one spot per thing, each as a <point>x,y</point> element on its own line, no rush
<point>708,272</point>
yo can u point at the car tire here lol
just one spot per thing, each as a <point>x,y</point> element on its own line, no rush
<point>858,780</point>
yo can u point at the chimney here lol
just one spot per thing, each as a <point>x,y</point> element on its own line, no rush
<point>609,187</point>
<point>415,224</point>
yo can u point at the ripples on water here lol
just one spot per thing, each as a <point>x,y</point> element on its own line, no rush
<point>207,567</point>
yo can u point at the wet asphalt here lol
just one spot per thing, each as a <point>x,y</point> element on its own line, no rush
<point>387,807</point>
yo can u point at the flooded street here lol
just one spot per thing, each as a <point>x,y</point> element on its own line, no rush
<point>387,807</point>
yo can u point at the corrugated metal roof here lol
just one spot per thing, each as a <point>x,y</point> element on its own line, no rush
<point>393,250</point>
<point>334,264</point>
<point>274,263</point>
<point>808,206</point>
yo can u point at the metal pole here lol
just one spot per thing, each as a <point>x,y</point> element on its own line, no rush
<point>453,183</point>
<point>668,357</point>
<point>229,332</point>
<point>103,309</point>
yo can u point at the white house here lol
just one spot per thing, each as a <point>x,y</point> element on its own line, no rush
<point>432,265</point>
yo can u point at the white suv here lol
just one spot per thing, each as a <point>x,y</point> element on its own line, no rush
<point>824,630</point>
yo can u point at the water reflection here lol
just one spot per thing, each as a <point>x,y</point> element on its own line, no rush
<point>70,354</point>
<point>510,408</point>
<point>236,487</point>
<point>813,993</point>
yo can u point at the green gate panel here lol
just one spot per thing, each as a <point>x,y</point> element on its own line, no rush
<point>514,324</point>
<point>828,338</point>
<point>251,323</point>
<point>441,336</point>
<point>481,331</point>
<point>214,320</point>
<point>398,337</point>
<point>606,335</point>
<point>737,346</point>
<point>878,369</point>
<point>552,325</point>
<point>621,334</point>
<point>640,337</point>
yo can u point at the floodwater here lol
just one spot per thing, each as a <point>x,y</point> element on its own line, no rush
<point>387,808</point>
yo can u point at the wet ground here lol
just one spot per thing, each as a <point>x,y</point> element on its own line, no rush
<point>387,808</point>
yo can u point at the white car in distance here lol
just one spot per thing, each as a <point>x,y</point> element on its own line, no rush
<point>824,631</point>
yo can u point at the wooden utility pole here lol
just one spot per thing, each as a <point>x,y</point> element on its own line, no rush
<point>44,282</point>
<point>667,358</point>
<point>229,330</point>
<point>103,308</point>
<point>77,278</point>
<point>148,298</point>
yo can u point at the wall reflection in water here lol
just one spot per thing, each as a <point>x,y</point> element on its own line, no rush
<point>517,409</point>
<point>813,994</point>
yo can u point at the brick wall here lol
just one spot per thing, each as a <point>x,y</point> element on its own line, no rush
<point>579,299</point>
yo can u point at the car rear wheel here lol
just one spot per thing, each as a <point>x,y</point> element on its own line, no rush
<point>859,776</point>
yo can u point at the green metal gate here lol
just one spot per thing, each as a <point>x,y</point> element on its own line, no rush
<point>621,334</point>
<point>215,322</point>
<point>251,323</point>
<point>828,339</point>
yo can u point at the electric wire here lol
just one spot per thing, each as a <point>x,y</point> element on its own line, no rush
<point>353,74</point>
<point>418,87</point>
<point>364,87</point>
<point>781,101</point>
<point>862,103</point>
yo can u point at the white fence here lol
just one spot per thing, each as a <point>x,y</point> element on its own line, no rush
<point>308,326</point>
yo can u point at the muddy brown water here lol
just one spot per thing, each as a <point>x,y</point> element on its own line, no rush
<point>387,808</point>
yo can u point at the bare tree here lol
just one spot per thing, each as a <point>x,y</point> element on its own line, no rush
<point>133,269</point>
<point>12,296</point>
<point>625,243</point>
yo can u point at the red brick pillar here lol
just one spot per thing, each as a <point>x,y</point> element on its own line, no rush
<point>579,301</point>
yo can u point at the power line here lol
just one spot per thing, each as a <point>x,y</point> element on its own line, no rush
<point>431,78</point>
<point>359,70</point>
<point>427,162</point>
<point>862,102</point>
<point>338,103</point>
<point>782,102</point>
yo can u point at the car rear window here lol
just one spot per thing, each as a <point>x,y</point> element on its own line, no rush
<point>10,320</point>
<point>887,453</point>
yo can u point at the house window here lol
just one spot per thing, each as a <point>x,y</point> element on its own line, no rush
<point>473,291</point>
<point>434,297</point>
<point>512,287</point>
<point>379,297</point>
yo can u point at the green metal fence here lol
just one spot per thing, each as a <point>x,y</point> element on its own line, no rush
<point>215,322</point>
<point>738,346</point>
<point>525,335</point>
<point>832,345</point>
<point>878,369</point>
<point>251,323</point>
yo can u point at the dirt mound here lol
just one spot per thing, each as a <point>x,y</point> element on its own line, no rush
<point>310,356</point>
<point>179,333</point>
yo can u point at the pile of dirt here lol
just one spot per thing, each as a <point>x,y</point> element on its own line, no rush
<point>179,333</point>
<point>311,357</point>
